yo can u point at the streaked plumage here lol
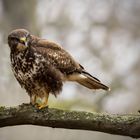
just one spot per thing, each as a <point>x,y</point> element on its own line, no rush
<point>41,67</point>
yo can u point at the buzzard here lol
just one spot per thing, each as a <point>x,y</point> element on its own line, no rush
<point>42,66</point>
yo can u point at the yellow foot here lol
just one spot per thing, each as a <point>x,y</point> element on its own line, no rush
<point>41,103</point>
<point>42,106</point>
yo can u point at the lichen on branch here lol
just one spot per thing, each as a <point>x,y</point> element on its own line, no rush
<point>126,125</point>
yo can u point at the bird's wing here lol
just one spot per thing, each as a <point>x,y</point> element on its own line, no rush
<point>63,61</point>
<point>58,57</point>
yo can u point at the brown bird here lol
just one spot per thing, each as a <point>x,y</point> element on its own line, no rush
<point>41,67</point>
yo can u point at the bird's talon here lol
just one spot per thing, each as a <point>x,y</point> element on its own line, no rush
<point>42,106</point>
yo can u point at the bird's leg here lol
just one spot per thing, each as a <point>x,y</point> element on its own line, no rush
<point>33,99</point>
<point>42,102</point>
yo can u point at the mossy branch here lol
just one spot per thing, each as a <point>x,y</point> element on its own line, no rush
<point>126,125</point>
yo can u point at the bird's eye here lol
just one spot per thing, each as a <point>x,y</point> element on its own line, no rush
<point>15,39</point>
<point>28,37</point>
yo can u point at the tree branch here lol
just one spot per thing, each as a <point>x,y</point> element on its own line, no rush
<point>126,125</point>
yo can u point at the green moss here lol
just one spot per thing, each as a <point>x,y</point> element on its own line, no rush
<point>2,108</point>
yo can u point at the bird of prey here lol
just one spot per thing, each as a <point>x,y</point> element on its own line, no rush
<point>42,66</point>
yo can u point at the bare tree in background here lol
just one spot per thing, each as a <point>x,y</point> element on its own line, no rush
<point>19,14</point>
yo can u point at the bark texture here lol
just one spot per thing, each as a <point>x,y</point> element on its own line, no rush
<point>126,125</point>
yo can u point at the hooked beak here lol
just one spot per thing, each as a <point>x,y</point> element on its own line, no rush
<point>23,40</point>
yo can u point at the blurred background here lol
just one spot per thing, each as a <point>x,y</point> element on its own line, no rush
<point>103,35</point>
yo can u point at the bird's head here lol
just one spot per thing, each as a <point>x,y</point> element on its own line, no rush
<point>19,39</point>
